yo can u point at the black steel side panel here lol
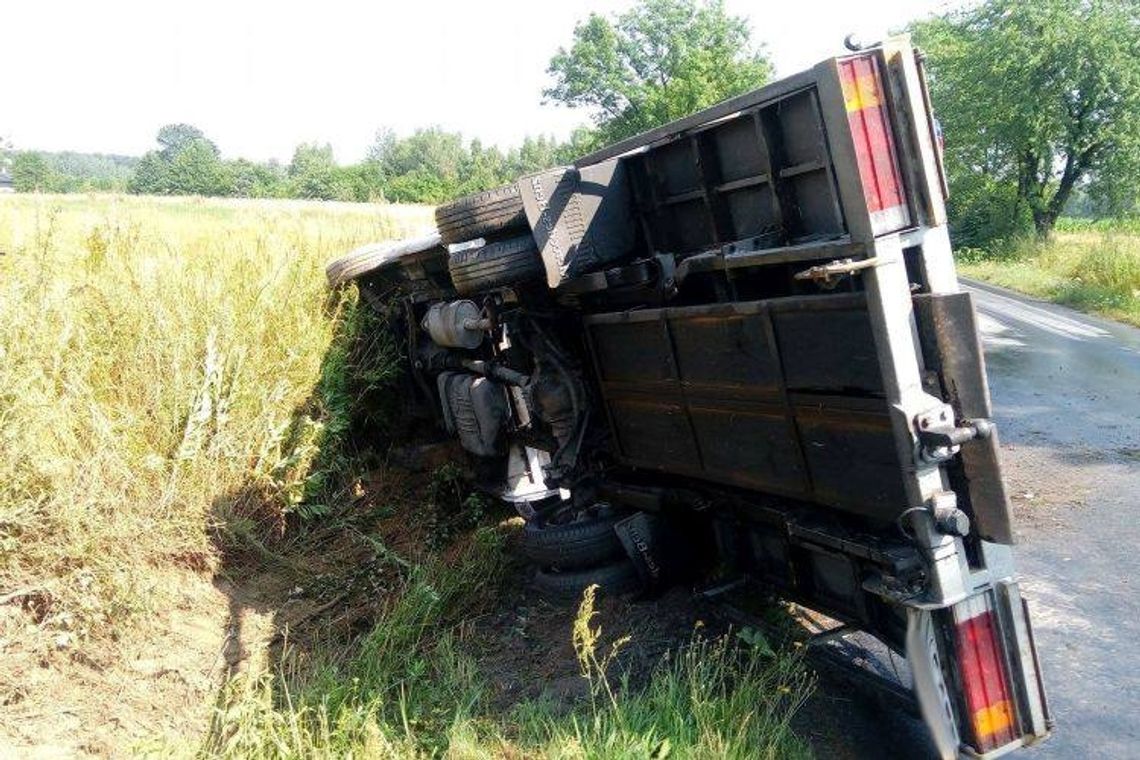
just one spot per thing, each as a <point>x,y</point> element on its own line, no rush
<point>782,396</point>
<point>952,348</point>
<point>761,177</point>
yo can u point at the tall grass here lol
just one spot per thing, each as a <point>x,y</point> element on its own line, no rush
<point>402,691</point>
<point>712,698</point>
<point>413,690</point>
<point>157,357</point>
<point>1093,267</point>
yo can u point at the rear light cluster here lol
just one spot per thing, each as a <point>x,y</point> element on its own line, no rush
<point>866,102</point>
<point>990,710</point>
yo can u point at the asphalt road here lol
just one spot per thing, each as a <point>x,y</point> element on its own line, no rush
<point>1066,392</point>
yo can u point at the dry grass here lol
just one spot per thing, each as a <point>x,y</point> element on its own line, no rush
<point>152,356</point>
<point>1095,269</point>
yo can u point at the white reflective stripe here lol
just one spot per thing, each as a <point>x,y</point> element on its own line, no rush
<point>929,683</point>
<point>890,219</point>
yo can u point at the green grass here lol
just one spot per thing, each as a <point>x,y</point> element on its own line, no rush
<point>411,690</point>
<point>1094,267</point>
<point>1125,225</point>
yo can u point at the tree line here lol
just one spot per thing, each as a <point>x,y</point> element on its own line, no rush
<point>428,166</point>
<point>1039,104</point>
<point>658,61</point>
<point>66,171</point>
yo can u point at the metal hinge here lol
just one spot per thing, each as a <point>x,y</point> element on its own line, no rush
<point>828,275</point>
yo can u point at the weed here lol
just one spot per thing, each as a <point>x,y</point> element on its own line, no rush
<point>1093,267</point>
<point>712,698</point>
<point>585,638</point>
<point>452,506</point>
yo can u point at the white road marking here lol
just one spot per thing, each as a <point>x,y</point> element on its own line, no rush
<point>1043,319</point>
<point>997,333</point>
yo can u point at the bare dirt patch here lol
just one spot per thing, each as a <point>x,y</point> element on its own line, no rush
<point>524,647</point>
<point>64,698</point>
<point>154,685</point>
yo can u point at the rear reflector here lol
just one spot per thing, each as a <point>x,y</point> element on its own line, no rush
<point>866,103</point>
<point>991,714</point>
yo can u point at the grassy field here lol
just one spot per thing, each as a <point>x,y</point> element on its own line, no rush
<point>200,557</point>
<point>1092,266</point>
<point>154,355</point>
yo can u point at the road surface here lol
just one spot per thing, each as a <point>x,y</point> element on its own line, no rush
<point>1066,393</point>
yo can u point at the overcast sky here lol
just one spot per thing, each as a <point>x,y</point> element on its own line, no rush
<point>260,77</point>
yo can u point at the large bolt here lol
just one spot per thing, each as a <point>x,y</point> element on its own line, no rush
<point>952,521</point>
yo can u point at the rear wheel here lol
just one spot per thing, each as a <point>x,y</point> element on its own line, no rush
<point>483,215</point>
<point>583,543</point>
<point>616,578</point>
<point>495,265</point>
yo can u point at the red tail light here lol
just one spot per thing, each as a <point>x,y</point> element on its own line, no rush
<point>870,124</point>
<point>990,710</point>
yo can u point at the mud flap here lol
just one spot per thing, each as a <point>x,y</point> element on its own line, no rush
<point>952,349</point>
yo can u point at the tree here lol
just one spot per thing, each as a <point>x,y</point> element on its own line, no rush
<point>431,166</point>
<point>536,154</point>
<point>251,180</point>
<point>661,60</point>
<point>441,151</point>
<point>482,168</point>
<point>313,173</point>
<point>31,173</point>
<point>174,138</point>
<point>186,163</point>
<point>150,177</point>
<point>1036,98</point>
<point>196,170</point>
<point>79,172</point>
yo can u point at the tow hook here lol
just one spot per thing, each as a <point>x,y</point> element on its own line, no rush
<point>940,437</point>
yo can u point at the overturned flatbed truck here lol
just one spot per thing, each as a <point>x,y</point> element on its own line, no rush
<point>746,323</point>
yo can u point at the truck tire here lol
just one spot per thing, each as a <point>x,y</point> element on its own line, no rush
<point>495,265</point>
<point>616,578</point>
<point>355,264</point>
<point>369,258</point>
<point>572,546</point>
<point>485,214</point>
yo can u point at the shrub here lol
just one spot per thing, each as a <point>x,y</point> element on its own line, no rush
<point>986,214</point>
